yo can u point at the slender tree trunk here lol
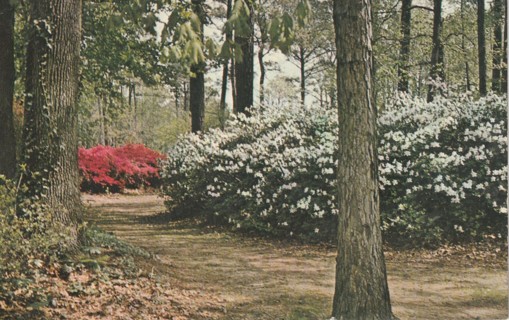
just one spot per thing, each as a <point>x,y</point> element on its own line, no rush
<point>244,67</point>
<point>197,99</point>
<point>463,48</point>
<point>177,98</point>
<point>233,80</point>
<point>404,51</point>
<point>7,77</point>
<point>497,45</point>
<point>186,91</point>
<point>50,133</point>
<point>102,133</point>
<point>504,54</point>
<point>436,68</point>
<point>481,47</point>
<point>302,67</point>
<point>361,282</point>
<point>262,72</point>
<point>224,82</point>
<point>197,81</point>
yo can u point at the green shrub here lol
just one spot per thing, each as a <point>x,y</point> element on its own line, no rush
<point>442,165</point>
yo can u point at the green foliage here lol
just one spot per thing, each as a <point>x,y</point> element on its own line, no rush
<point>443,172</point>
<point>28,241</point>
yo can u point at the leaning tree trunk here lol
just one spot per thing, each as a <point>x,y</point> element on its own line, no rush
<point>197,81</point>
<point>436,68</point>
<point>361,282</point>
<point>7,76</point>
<point>404,51</point>
<point>244,72</point>
<point>50,133</point>
<point>481,47</point>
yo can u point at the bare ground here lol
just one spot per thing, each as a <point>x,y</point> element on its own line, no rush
<point>256,279</point>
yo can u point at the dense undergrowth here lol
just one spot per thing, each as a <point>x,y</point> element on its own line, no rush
<point>42,278</point>
<point>442,171</point>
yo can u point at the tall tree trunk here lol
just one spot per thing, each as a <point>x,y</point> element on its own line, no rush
<point>186,91</point>
<point>302,67</point>
<point>436,68</point>
<point>244,67</point>
<point>197,81</point>
<point>503,81</point>
<point>361,282</point>
<point>262,72</point>
<point>50,133</point>
<point>7,77</point>
<point>102,133</point>
<point>497,45</point>
<point>463,48</point>
<point>481,47</point>
<point>233,85</point>
<point>404,51</point>
<point>197,98</point>
<point>224,82</point>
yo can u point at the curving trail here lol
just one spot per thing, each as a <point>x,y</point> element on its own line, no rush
<point>262,280</point>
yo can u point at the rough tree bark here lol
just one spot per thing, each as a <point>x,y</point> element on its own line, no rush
<point>404,51</point>
<point>436,68</point>
<point>7,76</point>
<point>50,132</point>
<point>481,47</point>
<point>197,80</point>
<point>361,282</point>
<point>244,67</point>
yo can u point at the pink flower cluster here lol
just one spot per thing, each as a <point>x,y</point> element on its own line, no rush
<point>105,168</point>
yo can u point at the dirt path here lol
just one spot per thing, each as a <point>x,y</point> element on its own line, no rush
<point>256,279</point>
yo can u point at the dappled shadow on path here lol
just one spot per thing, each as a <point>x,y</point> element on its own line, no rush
<point>257,279</point>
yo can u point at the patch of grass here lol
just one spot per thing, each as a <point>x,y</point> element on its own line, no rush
<point>483,297</point>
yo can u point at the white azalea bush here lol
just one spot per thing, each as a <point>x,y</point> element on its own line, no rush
<point>442,171</point>
<point>273,172</point>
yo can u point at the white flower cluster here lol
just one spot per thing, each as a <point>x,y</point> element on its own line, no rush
<point>277,165</point>
<point>441,163</point>
<point>446,159</point>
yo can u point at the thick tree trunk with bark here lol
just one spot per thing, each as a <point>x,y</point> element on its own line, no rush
<point>481,47</point>
<point>50,133</point>
<point>7,77</point>
<point>244,72</point>
<point>436,68</point>
<point>197,81</point>
<point>404,51</point>
<point>361,283</point>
